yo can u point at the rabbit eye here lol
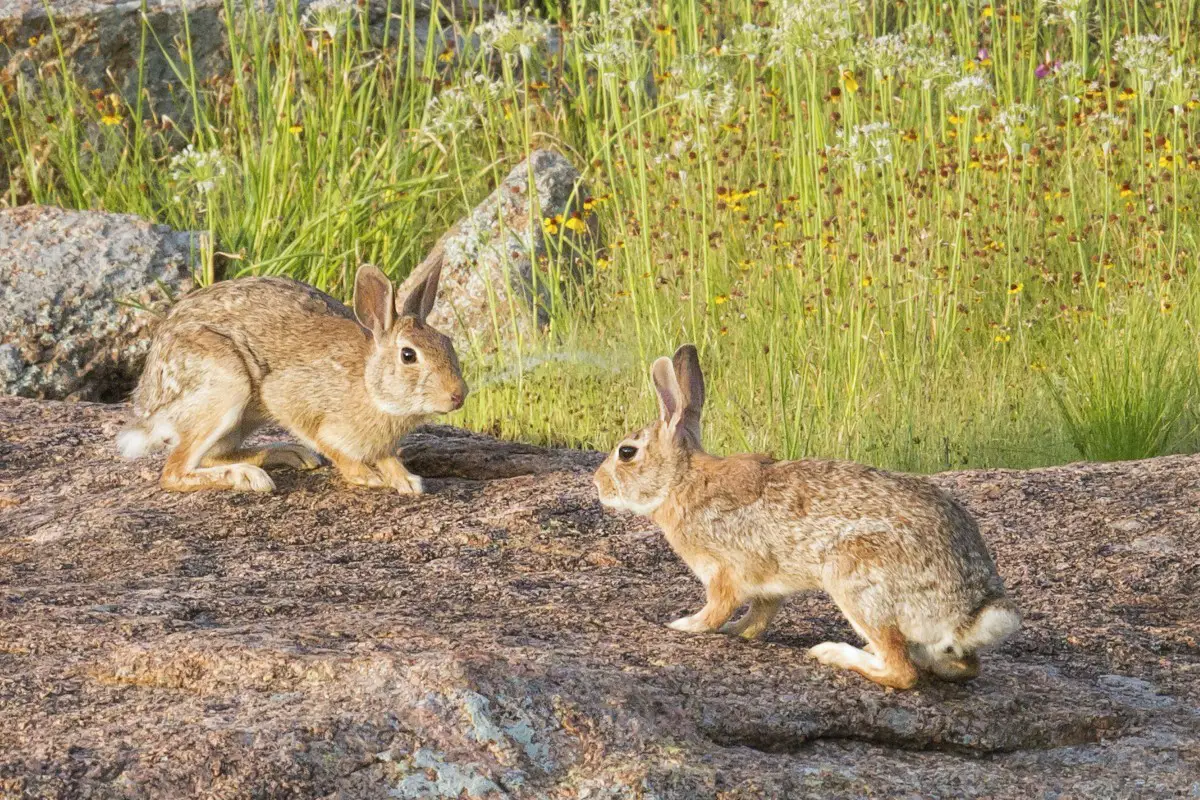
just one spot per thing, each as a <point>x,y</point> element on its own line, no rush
<point>408,355</point>
<point>626,452</point>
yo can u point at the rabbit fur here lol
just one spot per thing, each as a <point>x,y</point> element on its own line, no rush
<point>240,353</point>
<point>902,560</point>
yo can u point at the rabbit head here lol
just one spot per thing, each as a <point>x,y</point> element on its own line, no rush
<point>412,368</point>
<point>643,468</point>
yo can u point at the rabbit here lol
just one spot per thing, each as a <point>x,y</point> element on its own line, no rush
<point>903,561</point>
<point>237,354</point>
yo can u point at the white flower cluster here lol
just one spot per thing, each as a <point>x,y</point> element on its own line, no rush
<point>969,93</point>
<point>197,170</point>
<point>1148,57</point>
<point>812,27</point>
<point>613,58</point>
<point>1070,11</point>
<point>917,53</point>
<point>1013,125</point>
<point>702,89</point>
<point>1105,127</point>
<point>515,33</point>
<point>864,146</point>
<point>452,112</point>
<point>327,16</point>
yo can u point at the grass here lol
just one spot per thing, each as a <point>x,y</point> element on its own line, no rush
<point>923,236</point>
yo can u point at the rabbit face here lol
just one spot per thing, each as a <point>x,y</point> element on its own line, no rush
<point>414,370</point>
<point>638,474</point>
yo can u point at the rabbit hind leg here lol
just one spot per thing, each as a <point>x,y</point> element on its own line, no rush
<point>209,420</point>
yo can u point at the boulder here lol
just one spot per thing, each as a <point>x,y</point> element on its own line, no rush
<point>79,293</point>
<point>503,636</point>
<point>102,39</point>
<point>512,256</point>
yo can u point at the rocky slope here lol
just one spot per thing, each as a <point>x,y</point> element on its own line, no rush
<point>503,636</point>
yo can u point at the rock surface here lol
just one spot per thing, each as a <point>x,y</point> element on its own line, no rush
<point>102,39</point>
<point>79,293</point>
<point>503,636</point>
<point>495,259</point>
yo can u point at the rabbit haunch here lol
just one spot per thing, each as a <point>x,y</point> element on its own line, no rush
<point>902,560</point>
<point>348,385</point>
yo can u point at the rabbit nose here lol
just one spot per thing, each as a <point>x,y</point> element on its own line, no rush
<point>456,400</point>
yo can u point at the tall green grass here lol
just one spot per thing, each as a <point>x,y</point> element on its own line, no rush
<point>924,236</point>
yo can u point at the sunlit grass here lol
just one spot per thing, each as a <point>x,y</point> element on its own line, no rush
<point>922,236</point>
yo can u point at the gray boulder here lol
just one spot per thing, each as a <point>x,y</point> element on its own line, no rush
<point>102,39</point>
<point>504,257</point>
<point>78,295</point>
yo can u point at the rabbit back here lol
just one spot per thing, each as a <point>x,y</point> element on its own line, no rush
<point>265,323</point>
<point>895,545</point>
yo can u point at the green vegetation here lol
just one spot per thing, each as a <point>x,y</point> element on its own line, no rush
<point>921,235</point>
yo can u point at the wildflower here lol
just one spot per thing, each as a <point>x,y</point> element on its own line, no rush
<point>1013,122</point>
<point>1147,57</point>
<point>550,225</point>
<point>866,281</point>
<point>295,130</point>
<point>748,41</point>
<point>702,89</point>
<point>1002,338</point>
<point>328,17</point>
<point>33,41</point>
<point>1047,68</point>
<point>197,170</point>
<point>969,93</point>
<point>450,113</point>
<point>812,27</point>
<point>1016,288</point>
<point>575,224</point>
<point>603,263</point>
<point>1166,306</point>
<point>720,299</point>
<point>986,12</point>
<point>612,58</point>
<point>849,82</point>
<point>515,33</point>
<point>111,119</point>
<point>865,146</point>
<point>1070,11</point>
<point>1105,127</point>
<point>918,51</point>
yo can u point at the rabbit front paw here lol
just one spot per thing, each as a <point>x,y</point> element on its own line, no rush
<point>400,478</point>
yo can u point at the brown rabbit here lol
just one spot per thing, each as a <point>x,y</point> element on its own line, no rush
<point>902,560</point>
<point>240,353</point>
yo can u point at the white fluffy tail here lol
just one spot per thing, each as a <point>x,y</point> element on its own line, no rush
<point>993,624</point>
<point>139,438</point>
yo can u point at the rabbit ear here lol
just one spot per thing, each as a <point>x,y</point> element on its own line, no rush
<point>691,387</point>
<point>670,400</point>
<point>373,299</point>
<point>420,301</point>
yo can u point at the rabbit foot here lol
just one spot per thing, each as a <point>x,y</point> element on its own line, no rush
<point>295,456</point>
<point>690,624</point>
<point>400,478</point>
<point>248,478</point>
